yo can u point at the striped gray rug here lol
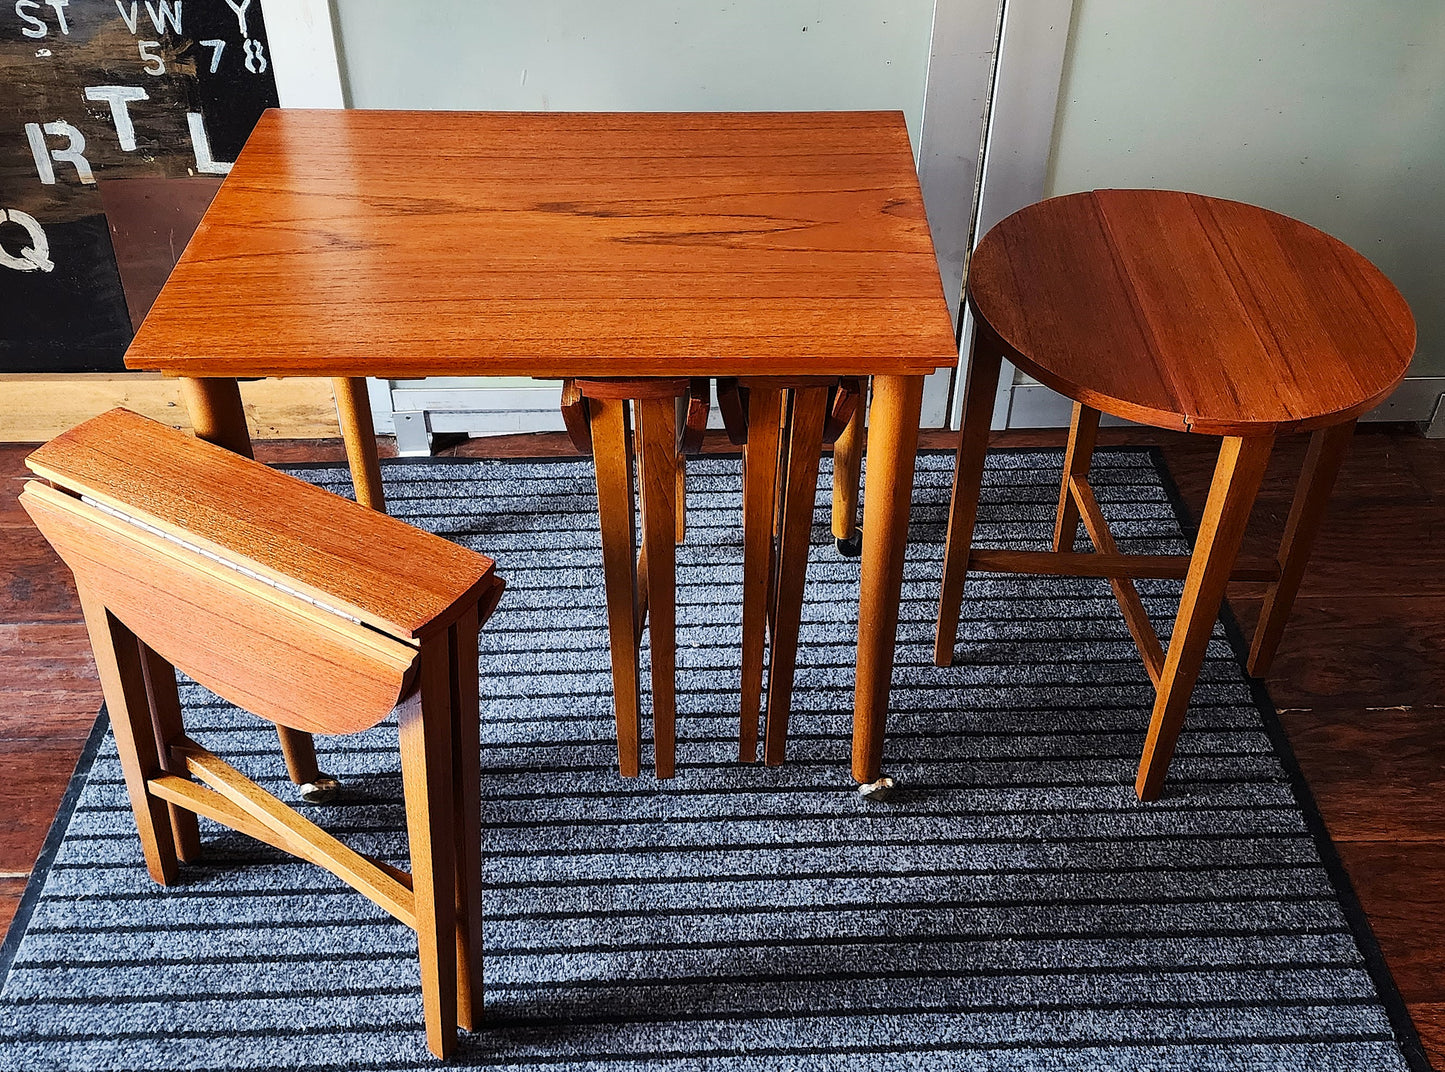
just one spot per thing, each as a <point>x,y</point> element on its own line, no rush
<point>1014,907</point>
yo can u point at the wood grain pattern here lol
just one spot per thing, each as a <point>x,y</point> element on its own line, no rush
<point>353,409</point>
<point>467,817</point>
<point>557,244</point>
<point>806,415</point>
<point>382,571</point>
<point>1322,464</point>
<point>297,834</point>
<point>612,449</point>
<point>426,773</point>
<point>847,469</point>
<point>1189,312</point>
<point>887,500</point>
<point>657,434</point>
<point>1376,773</point>
<point>761,428</point>
<point>34,772</point>
<point>39,407</point>
<point>237,636</point>
<point>1083,431</point>
<point>219,417</point>
<point>166,721</point>
<point>984,363</point>
<point>1136,617</point>
<point>10,891</point>
<point>1226,513</point>
<point>118,658</point>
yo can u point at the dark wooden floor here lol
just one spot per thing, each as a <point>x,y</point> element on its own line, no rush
<point>1360,678</point>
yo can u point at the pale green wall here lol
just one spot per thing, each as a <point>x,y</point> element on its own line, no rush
<point>638,54</point>
<point>1332,111</point>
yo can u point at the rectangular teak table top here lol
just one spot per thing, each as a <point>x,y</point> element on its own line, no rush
<point>405,244</point>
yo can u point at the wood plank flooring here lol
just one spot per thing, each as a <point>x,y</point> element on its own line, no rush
<point>1359,680</point>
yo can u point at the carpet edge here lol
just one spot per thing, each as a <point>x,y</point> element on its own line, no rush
<point>1403,1024</point>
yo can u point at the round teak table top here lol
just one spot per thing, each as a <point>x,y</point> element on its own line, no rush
<point>1184,311</point>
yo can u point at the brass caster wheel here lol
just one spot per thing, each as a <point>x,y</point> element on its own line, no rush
<point>322,791</point>
<point>852,547</point>
<point>880,790</point>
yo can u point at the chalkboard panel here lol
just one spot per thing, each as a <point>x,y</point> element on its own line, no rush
<point>94,90</point>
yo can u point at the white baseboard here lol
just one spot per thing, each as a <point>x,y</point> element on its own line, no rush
<point>1032,405</point>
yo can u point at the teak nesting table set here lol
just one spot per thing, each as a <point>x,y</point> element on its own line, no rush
<point>636,257</point>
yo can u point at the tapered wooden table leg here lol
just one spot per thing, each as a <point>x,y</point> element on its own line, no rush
<point>467,826</point>
<point>892,447</point>
<point>1327,451</point>
<point>760,474</point>
<point>612,462</point>
<point>1083,430</point>
<point>847,468</point>
<point>353,410</point>
<point>983,369</point>
<point>657,429</point>
<point>216,413</point>
<point>799,494</point>
<point>426,772</point>
<point>1237,476</point>
<point>217,416</point>
<point>122,680</point>
<point>165,707</point>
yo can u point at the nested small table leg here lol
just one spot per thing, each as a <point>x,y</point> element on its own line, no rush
<point>1237,476</point>
<point>888,497</point>
<point>218,417</point>
<point>612,457</point>
<point>657,430</point>
<point>353,410</point>
<point>983,370</point>
<point>799,493</point>
<point>760,474</point>
<point>1327,451</point>
<point>426,737</point>
<point>847,468</point>
<point>1083,430</point>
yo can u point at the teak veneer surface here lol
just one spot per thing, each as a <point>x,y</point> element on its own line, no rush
<point>1191,312</point>
<point>235,635</point>
<point>553,244</point>
<point>396,578</point>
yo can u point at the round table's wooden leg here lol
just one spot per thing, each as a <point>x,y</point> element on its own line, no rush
<point>1327,451</point>
<point>983,369</point>
<point>612,457</point>
<point>353,409</point>
<point>760,470</point>
<point>1083,430</point>
<point>218,417</point>
<point>888,497</point>
<point>847,468</point>
<point>1226,513</point>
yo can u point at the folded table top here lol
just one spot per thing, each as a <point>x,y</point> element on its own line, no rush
<point>395,578</point>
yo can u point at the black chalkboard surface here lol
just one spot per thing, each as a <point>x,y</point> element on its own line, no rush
<point>99,90</point>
